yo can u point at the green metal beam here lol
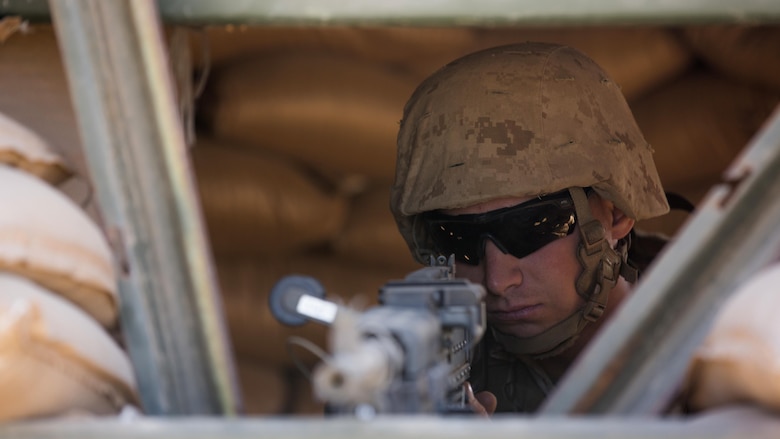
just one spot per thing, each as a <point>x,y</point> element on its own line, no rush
<point>445,12</point>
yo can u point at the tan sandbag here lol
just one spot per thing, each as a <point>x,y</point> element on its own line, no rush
<point>275,390</point>
<point>54,358</point>
<point>45,237</point>
<point>303,401</point>
<point>699,123</point>
<point>337,114</point>
<point>256,203</point>
<point>370,235</point>
<point>23,149</point>
<point>748,53</point>
<point>637,58</point>
<point>384,44</point>
<point>269,389</point>
<point>264,388</point>
<point>246,285</point>
<point>739,361</point>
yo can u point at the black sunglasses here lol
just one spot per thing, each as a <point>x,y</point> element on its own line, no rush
<point>517,230</point>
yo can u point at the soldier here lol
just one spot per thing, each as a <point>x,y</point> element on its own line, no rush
<point>525,162</point>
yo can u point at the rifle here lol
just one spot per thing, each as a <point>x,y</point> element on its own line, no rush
<point>410,354</point>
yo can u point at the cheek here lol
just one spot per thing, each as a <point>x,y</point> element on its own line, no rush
<point>559,254</point>
<point>556,264</point>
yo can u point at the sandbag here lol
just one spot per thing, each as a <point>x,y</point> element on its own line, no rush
<point>637,59</point>
<point>398,46</point>
<point>264,388</point>
<point>54,358</point>
<point>45,237</point>
<point>337,114</point>
<point>257,203</point>
<point>370,235</point>
<point>698,124</point>
<point>269,389</point>
<point>303,400</point>
<point>739,361</point>
<point>747,53</point>
<point>23,149</point>
<point>246,285</point>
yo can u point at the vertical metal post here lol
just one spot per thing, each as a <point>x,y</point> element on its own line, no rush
<point>133,141</point>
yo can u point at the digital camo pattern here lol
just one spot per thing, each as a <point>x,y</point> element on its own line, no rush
<point>520,120</point>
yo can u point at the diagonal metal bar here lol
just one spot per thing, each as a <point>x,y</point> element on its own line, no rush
<point>134,145</point>
<point>637,363</point>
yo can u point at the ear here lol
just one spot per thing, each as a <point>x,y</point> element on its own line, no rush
<point>621,223</point>
<point>617,223</point>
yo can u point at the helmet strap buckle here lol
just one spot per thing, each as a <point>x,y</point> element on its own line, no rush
<point>592,233</point>
<point>593,311</point>
<point>601,265</point>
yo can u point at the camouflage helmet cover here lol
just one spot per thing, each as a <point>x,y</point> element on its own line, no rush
<point>520,120</point>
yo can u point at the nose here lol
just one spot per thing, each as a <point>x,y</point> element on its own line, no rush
<point>502,271</point>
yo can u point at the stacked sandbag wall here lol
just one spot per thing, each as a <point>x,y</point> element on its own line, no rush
<point>58,308</point>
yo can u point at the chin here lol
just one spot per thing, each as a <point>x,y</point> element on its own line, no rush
<point>524,330</point>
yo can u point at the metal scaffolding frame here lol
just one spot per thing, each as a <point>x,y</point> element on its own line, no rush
<point>133,141</point>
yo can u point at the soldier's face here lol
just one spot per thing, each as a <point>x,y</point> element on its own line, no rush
<point>530,294</point>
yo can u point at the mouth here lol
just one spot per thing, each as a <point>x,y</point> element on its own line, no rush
<point>515,314</point>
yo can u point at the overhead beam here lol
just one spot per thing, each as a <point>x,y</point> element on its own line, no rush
<point>445,12</point>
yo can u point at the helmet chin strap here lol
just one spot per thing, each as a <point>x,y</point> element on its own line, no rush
<point>601,267</point>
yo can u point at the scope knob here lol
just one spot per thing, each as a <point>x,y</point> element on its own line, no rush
<point>286,295</point>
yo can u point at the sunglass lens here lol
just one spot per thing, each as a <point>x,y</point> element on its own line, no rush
<point>519,230</point>
<point>522,233</point>
<point>457,238</point>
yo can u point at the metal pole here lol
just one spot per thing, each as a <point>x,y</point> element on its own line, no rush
<point>448,12</point>
<point>637,363</point>
<point>133,141</point>
<point>728,423</point>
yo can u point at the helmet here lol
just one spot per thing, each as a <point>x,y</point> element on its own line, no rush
<point>518,121</point>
